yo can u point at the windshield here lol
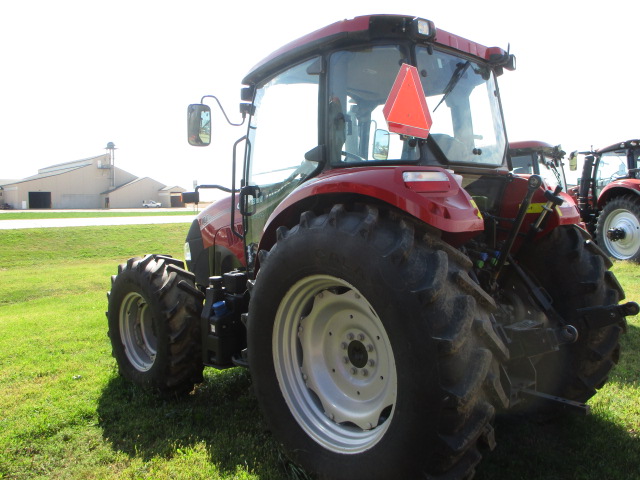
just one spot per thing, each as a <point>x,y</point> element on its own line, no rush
<point>461,96</point>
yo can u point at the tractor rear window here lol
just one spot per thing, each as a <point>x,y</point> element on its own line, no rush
<point>461,96</point>
<point>360,82</point>
<point>463,102</point>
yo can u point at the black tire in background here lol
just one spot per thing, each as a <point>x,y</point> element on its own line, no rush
<point>575,273</point>
<point>622,214</point>
<point>370,349</point>
<point>154,327</point>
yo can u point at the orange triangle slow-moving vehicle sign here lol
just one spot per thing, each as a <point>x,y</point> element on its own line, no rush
<point>406,110</point>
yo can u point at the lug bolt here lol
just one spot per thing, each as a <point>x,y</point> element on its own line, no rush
<point>369,348</point>
<point>344,345</point>
<point>361,337</point>
<point>345,359</point>
<point>372,362</point>
<point>354,370</point>
<point>365,372</point>
<point>351,336</point>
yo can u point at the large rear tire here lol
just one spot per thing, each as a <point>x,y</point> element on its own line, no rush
<point>365,349</point>
<point>574,271</point>
<point>153,317</point>
<point>621,214</point>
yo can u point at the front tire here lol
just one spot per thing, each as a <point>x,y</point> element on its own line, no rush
<point>153,318</point>
<point>623,215</point>
<point>365,352</point>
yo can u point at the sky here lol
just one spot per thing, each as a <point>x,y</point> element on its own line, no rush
<point>75,75</point>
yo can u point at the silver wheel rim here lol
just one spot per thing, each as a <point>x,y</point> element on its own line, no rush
<point>626,221</point>
<point>137,332</point>
<point>334,364</point>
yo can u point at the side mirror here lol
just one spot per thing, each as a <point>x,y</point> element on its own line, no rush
<point>199,125</point>
<point>190,197</point>
<point>573,161</point>
<point>380,145</point>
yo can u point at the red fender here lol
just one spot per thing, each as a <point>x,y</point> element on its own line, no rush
<point>515,191</point>
<point>440,203</point>
<point>617,188</point>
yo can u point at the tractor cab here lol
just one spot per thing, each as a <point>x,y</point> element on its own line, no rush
<point>388,96</point>
<point>540,158</point>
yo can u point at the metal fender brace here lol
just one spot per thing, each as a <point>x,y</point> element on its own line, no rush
<point>533,339</point>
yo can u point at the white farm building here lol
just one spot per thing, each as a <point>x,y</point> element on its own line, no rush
<point>90,183</point>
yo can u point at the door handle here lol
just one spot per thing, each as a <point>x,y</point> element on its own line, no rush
<point>246,207</point>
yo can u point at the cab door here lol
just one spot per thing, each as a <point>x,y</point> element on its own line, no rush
<point>283,128</point>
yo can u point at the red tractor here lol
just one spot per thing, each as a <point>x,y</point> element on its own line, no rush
<point>386,279</point>
<point>609,198</point>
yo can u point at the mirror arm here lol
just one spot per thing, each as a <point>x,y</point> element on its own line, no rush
<point>244,115</point>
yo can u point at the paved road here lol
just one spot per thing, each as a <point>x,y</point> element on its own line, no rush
<point>85,222</point>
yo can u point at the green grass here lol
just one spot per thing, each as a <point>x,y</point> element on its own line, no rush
<point>66,414</point>
<point>89,214</point>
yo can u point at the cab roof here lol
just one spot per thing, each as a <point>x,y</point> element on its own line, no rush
<point>619,146</point>
<point>362,29</point>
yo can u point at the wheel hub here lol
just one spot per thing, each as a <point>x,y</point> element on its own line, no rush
<point>334,364</point>
<point>357,354</point>
<point>615,234</point>
<point>137,332</point>
<point>622,238</point>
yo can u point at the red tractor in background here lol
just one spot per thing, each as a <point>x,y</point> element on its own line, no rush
<point>609,197</point>
<point>387,280</point>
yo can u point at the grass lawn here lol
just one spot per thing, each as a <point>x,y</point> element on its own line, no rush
<point>66,414</point>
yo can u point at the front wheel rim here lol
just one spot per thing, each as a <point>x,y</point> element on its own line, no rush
<point>137,332</point>
<point>628,246</point>
<point>334,363</point>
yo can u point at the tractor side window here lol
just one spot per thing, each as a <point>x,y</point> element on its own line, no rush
<point>612,165</point>
<point>360,81</point>
<point>283,128</point>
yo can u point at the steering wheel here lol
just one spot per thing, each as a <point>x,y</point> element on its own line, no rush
<point>353,155</point>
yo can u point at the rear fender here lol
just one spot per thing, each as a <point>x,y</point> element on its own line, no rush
<point>515,191</point>
<point>617,188</point>
<point>440,204</point>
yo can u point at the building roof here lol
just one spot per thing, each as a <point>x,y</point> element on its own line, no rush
<point>67,166</point>
<point>139,179</point>
<point>53,170</point>
<point>51,173</point>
